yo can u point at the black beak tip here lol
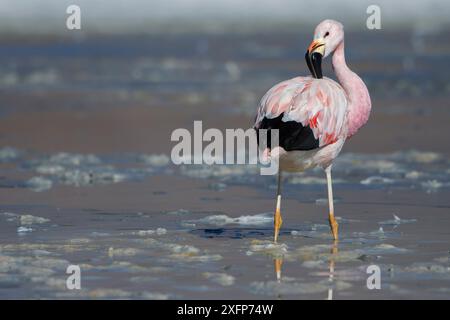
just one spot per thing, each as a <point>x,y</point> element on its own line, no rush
<point>308,62</point>
<point>314,62</point>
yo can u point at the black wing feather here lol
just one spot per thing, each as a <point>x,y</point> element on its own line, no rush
<point>292,134</point>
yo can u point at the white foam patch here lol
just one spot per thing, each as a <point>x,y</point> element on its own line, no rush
<point>218,171</point>
<point>188,253</point>
<point>10,216</point>
<point>384,248</point>
<point>433,185</point>
<point>88,169</point>
<point>364,162</point>
<point>8,154</point>
<point>32,268</point>
<point>377,180</point>
<point>158,231</point>
<point>50,169</point>
<point>39,184</point>
<point>28,219</point>
<point>220,278</point>
<point>306,180</point>
<point>180,252</point>
<point>116,265</point>
<point>24,219</point>
<point>413,175</point>
<point>422,156</point>
<point>181,248</point>
<point>381,165</point>
<point>156,160</point>
<point>109,294</point>
<point>197,258</point>
<point>83,177</point>
<point>267,247</point>
<point>445,259</point>
<point>122,252</point>
<point>397,221</point>
<point>154,296</point>
<point>73,159</point>
<point>322,254</point>
<point>24,230</point>
<point>179,212</point>
<point>310,180</point>
<point>249,220</point>
<point>378,234</point>
<point>428,268</point>
<point>217,186</point>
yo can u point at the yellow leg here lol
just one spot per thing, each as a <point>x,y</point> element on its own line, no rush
<point>334,226</point>
<point>277,221</point>
<point>333,223</point>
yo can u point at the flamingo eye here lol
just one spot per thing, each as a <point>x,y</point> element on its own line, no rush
<point>326,34</point>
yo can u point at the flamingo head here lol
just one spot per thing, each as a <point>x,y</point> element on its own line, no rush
<point>327,36</point>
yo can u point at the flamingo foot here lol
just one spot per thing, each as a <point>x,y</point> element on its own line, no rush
<point>334,226</point>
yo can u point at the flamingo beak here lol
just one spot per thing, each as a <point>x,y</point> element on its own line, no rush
<point>314,56</point>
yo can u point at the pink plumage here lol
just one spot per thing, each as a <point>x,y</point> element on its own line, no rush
<point>320,104</point>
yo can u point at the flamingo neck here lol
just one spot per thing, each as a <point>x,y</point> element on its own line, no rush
<point>359,104</point>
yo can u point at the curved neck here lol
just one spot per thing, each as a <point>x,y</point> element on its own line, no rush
<point>359,104</point>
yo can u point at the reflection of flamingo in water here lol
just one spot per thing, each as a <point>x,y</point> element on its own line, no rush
<point>333,253</point>
<point>278,263</point>
<point>315,115</point>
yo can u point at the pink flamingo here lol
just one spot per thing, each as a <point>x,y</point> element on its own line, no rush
<point>315,115</point>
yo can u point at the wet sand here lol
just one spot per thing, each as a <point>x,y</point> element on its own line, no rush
<point>86,178</point>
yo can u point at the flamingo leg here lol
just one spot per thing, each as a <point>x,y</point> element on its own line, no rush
<point>277,221</point>
<point>332,219</point>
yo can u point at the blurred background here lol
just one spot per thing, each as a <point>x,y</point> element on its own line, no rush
<point>188,57</point>
<point>85,175</point>
<point>201,55</point>
<point>182,16</point>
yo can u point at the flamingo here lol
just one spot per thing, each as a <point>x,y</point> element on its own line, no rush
<point>314,115</point>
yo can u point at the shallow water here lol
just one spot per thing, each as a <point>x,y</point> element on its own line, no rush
<point>86,176</point>
<point>214,263</point>
<point>218,254</point>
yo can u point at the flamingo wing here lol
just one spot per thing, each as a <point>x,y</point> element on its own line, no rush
<point>309,113</point>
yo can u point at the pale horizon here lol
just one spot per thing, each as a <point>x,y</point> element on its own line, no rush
<point>140,16</point>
